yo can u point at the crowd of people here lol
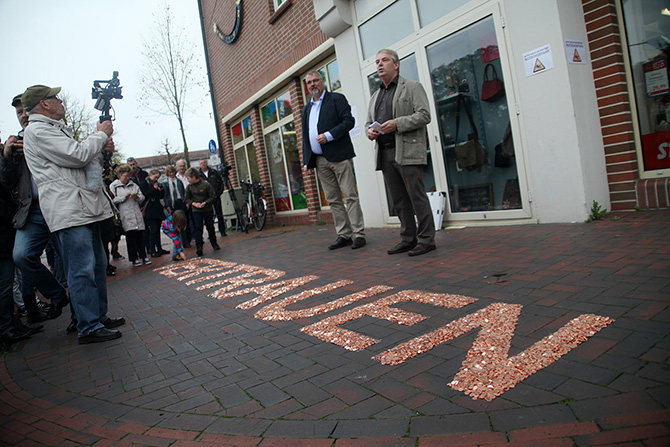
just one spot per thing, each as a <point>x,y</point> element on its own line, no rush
<point>55,197</point>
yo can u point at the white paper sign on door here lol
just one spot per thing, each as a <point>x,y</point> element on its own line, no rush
<point>575,51</point>
<point>538,60</point>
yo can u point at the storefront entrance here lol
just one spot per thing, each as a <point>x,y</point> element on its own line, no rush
<point>473,154</point>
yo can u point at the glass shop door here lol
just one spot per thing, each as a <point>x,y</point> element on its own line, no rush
<point>474,120</point>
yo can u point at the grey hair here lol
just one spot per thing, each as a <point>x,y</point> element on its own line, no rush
<point>393,54</point>
<point>314,72</point>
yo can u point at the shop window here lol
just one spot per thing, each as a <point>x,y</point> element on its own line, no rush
<point>245,152</point>
<point>430,10</point>
<point>334,77</point>
<point>283,154</point>
<point>647,24</point>
<point>387,27</point>
<point>477,146</point>
<point>365,7</point>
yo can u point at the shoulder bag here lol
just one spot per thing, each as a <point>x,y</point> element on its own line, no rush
<point>492,88</point>
<point>470,154</point>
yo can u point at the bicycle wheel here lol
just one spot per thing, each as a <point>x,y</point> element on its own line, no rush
<point>242,219</point>
<point>260,215</point>
<point>246,210</point>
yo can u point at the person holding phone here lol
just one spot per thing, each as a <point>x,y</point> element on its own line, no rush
<point>127,197</point>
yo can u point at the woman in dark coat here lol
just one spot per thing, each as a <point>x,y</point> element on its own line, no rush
<point>154,214</point>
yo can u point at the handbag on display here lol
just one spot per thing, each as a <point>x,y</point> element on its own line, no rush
<point>507,143</point>
<point>500,160</point>
<point>512,195</point>
<point>492,88</point>
<point>470,154</point>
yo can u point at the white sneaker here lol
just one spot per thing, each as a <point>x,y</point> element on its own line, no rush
<point>147,261</point>
<point>137,263</point>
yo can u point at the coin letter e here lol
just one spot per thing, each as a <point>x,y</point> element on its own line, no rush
<point>328,329</point>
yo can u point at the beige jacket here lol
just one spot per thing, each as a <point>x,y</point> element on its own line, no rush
<point>129,208</point>
<point>411,112</point>
<point>57,162</point>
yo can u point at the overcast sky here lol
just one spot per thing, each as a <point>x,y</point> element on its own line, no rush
<point>70,43</point>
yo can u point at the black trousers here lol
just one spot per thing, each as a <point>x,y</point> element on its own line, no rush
<point>405,184</point>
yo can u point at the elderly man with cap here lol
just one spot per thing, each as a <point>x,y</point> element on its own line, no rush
<point>32,234</point>
<point>72,206</point>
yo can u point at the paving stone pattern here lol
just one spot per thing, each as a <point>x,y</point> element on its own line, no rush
<point>194,370</point>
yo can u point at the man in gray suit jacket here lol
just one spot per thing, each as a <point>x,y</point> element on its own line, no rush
<point>326,146</point>
<point>400,112</point>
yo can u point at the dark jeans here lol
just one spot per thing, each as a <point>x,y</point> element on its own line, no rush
<point>86,268</point>
<point>206,218</point>
<point>218,210</point>
<point>6,294</point>
<point>154,228</point>
<point>31,240</point>
<point>135,245</point>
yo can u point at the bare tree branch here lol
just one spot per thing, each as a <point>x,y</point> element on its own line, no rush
<point>78,117</point>
<point>171,70</point>
<point>166,150</point>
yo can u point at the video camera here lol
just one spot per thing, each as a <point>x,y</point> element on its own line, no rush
<point>105,94</point>
<point>225,169</point>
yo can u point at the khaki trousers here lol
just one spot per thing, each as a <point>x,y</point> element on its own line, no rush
<point>338,179</point>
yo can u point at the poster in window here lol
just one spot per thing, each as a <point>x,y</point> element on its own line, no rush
<point>656,77</point>
<point>656,150</point>
<point>276,147</point>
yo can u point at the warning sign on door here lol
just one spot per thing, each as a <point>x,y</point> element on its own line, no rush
<point>575,51</point>
<point>538,60</point>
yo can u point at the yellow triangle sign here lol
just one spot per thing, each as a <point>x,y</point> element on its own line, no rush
<point>576,57</point>
<point>538,66</point>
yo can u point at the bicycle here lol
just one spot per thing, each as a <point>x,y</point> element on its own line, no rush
<point>242,220</point>
<point>255,207</point>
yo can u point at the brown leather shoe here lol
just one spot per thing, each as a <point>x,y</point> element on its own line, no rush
<point>422,249</point>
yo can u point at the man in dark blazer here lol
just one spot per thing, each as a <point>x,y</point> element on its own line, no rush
<point>326,146</point>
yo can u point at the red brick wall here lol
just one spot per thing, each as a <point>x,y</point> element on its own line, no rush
<point>262,51</point>
<point>270,42</point>
<point>613,102</point>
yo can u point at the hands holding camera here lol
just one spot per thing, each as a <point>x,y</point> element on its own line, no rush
<point>13,145</point>
<point>107,127</point>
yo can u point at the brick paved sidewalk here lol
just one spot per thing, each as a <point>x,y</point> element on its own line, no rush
<point>519,335</point>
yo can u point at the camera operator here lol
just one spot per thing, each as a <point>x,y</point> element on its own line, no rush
<point>216,180</point>
<point>32,234</point>
<point>72,210</point>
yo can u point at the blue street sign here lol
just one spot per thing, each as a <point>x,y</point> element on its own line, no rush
<point>212,147</point>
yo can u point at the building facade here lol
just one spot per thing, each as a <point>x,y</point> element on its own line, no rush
<point>538,108</point>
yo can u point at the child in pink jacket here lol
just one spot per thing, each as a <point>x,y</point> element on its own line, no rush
<point>173,225</point>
